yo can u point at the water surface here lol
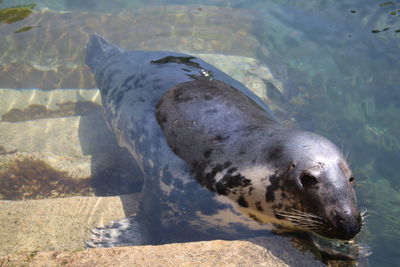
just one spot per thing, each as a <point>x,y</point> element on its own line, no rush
<point>338,63</point>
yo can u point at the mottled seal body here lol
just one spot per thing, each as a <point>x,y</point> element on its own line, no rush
<point>215,160</point>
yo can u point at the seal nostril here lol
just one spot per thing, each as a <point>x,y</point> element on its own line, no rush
<point>347,226</point>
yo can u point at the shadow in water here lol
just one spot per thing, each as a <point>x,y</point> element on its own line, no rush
<point>114,170</point>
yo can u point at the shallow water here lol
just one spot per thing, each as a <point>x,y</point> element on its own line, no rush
<point>336,65</point>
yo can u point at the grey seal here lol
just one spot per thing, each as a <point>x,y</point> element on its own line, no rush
<point>216,162</point>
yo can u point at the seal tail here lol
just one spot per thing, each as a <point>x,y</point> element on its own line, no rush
<point>98,49</point>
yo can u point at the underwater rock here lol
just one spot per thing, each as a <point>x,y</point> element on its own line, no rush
<point>54,101</point>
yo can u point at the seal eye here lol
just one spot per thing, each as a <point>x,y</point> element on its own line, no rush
<point>307,179</point>
<point>352,180</point>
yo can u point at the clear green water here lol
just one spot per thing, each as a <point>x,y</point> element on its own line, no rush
<point>338,61</point>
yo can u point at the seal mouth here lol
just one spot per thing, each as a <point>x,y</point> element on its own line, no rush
<point>341,229</point>
<point>345,227</point>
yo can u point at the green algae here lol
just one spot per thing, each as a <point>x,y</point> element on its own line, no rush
<point>27,28</point>
<point>13,14</point>
<point>388,3</point>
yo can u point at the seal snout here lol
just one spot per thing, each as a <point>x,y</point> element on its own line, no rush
<point>346,225</point>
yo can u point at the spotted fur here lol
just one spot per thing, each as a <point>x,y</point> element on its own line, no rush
<point>216,162</point>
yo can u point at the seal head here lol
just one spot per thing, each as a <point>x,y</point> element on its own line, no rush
<point>320,180</point>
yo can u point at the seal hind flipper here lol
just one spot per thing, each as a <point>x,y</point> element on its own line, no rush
<point>98,50</point>
<point>126,232</point>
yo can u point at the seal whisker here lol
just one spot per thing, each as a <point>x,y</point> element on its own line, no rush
<point>363,212</point>
<point>300,219</point>
<point>310,228</point>
<point>303,220</point>
<point>311,223</point>
<point>364,215</point>
<point>346,154</point>
<point>308,224</point>
<point>301,213</point>
<point>307,214</point>
<point>313,228</point>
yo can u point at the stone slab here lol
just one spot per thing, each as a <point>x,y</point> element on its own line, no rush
<point>58,224</point>
<point>253,252</point>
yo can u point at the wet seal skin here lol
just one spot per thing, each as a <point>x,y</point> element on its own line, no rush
<point>216,162</point>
